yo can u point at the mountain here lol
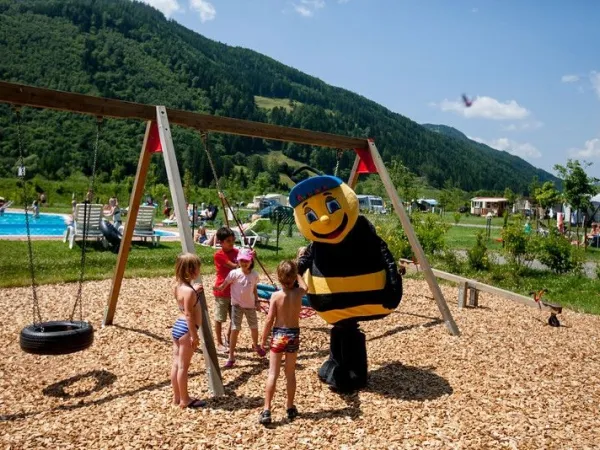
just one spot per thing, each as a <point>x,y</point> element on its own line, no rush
<point>128,50</point>
<point>445,130</point>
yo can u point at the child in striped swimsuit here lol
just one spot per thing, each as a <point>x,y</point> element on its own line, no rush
<point>185,329</point>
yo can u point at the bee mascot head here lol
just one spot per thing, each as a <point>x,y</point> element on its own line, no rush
<point>325,209</point>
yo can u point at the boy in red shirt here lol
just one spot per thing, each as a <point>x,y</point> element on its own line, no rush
<point>225,261</point>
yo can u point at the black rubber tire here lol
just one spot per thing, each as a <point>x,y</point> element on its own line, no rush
<point>553,321</point>
<point>110,233</point>
<point>57,338</point>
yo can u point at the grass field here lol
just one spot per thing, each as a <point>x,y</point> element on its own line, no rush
<point>270,103</point>
<point>55,263</point>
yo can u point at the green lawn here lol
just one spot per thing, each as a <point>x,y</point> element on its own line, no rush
<point>55,263</point>
<point>463,238</point>
<point>270,103</point>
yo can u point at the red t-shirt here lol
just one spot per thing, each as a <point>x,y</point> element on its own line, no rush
<point>221,259</point>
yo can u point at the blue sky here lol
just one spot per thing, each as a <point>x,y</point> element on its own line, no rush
<point>533,67</point>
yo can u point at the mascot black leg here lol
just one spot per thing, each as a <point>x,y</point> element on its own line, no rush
<point>346,369</point>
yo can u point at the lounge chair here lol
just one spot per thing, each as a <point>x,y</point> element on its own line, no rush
<point>93,218</point>
<point>144,225</point>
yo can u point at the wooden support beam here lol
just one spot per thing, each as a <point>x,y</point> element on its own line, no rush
<point>413,240</point>
<point>353,178</point>
<point>473,284</point>
<point>20,94</point>
<point>134,206</point>
<point>463,290</point>
<point>209,351</point>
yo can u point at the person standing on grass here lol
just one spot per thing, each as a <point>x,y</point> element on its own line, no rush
<point>244,302</point>
<point>185,329</point>
<point>284,313</point>
<point>225,261</point>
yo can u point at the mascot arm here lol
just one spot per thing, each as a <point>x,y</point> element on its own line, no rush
<point>306,260</point>
<point>393,279</point>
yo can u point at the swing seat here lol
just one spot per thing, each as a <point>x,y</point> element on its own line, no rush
<point>56,337</point>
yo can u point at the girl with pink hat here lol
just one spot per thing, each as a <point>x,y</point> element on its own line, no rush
<point>244,301</point>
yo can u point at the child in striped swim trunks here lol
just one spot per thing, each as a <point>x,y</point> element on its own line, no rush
<point>284,313</point>
<point>185,329</point>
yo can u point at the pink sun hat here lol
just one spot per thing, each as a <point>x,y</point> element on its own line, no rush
<point>245,254</point>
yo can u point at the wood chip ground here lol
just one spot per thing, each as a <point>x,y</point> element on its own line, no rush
<point>509,381</point>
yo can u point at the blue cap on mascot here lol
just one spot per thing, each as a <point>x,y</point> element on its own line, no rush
<point>312,186</point>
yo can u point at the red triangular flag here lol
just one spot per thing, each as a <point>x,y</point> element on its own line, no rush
<point>366,163</point>
<point>153,145</point>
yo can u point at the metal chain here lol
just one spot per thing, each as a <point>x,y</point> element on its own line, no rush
<point>226,204</point>
<point>338,157</point>
<point>87,209</point>
<point>37,316</point>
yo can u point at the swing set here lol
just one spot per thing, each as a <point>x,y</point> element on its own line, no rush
<point>158,139</point>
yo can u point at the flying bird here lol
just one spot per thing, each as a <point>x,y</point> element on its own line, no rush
<point>466,101</point>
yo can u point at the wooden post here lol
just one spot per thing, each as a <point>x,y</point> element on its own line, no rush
<point>209,352</point>
<point>463,290</point>
<point>134,206</point>
<point>353,178</point>
<point>412,239</point>
<point>473,297</point>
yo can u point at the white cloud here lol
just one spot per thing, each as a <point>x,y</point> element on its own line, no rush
<point>167,7</point>
<point>523,150</point>
<point>307,8</point>
<point>569,78</point>
<point>591,149</point>
<point>526,126</point>
<point>595,80</point>
<point>487,108</point>
<point>205,8</point>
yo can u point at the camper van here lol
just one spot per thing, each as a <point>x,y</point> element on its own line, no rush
<point>371,203</point>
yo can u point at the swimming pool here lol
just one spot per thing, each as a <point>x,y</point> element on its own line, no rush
<point>13,224</point>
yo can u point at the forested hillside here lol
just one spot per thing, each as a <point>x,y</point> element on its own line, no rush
<point>128,50</point>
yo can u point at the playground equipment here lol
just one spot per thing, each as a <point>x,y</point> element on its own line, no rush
<point>158,139</point>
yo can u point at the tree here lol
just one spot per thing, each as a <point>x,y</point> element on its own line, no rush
<point>187,185</point>
<point>546,196</point>
<point>510,197</point>
<point>404,180</point>
<point>578,186</point>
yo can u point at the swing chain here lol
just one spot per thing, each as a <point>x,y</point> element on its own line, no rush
<point>87,208</point>
<point>338,156</point>
<point>37,315</point>
<point>227,205</point>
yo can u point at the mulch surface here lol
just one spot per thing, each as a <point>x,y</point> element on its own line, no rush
<point>509,381</point>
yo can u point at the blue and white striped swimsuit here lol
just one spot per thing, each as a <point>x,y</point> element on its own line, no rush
<point>180,327</point>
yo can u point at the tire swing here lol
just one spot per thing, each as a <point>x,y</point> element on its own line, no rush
<point>57,337</point>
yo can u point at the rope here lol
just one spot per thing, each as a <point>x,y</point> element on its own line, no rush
<point>226,204</point>
<point>37,316</point>
<point>86,208</point>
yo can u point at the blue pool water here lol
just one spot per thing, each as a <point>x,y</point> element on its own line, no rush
<point>13,224</point>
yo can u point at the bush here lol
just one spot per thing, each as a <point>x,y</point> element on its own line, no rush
<point>452,262</point>
<point>431,232</point>
<point>457,217</point>
<point>429,228</point>
<point>558,254</point>
<point>598,271</point>
<point>520,247</point>
<point>477,257</point>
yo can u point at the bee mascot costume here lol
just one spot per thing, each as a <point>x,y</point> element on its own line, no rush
<point>350,273</point>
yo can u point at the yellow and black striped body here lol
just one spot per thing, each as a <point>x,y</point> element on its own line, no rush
<point>354,279</point>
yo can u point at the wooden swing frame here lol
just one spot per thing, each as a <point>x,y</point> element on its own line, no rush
<point>158,139</point>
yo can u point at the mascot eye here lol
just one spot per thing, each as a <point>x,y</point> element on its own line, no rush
<point>310,215</point>
<point>332,205</point>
